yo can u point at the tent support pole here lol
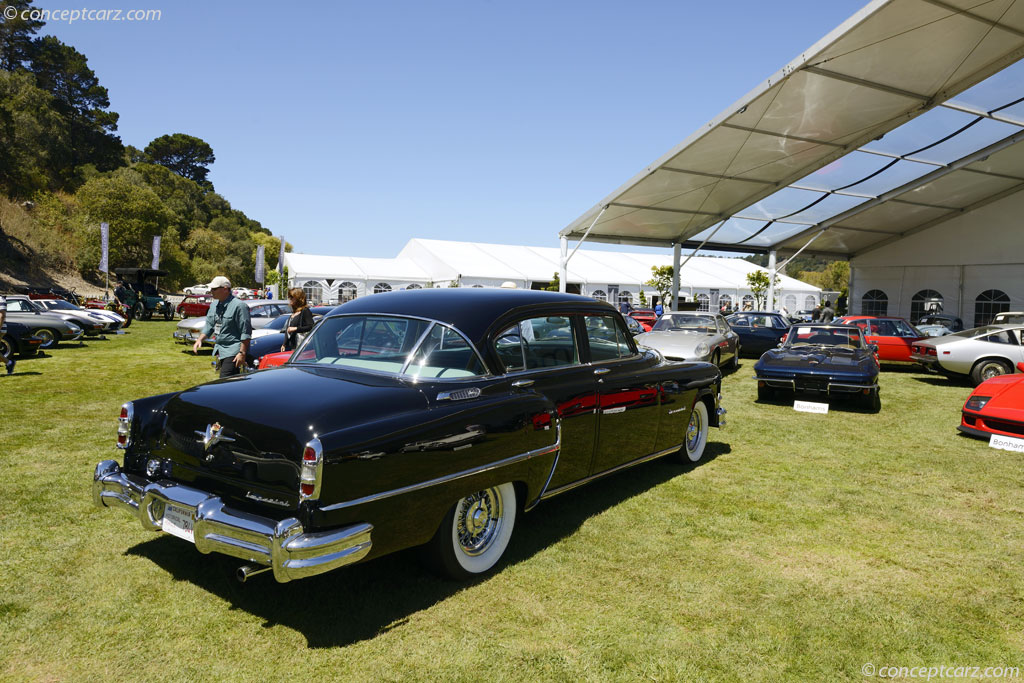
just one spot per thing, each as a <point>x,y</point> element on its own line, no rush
<point>563,264</point>
<point>770,304</point>
<point>675,275</point>
<point>565,243</point>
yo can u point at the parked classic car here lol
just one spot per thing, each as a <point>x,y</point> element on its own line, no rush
<point>645,316</point>
<point>199,290</point>
<point>261,313</point>
<point>111,321</point>
<point>90,326</point>
<point>271,342</point>
<point>818,358</point>
<point>894,337</point>
<point>758,330</point>
<point>18,339</point>
<point>144,299</point>
<point>980,353</point>
<point>1008,318</point>
<point>418,417</point>
<point>49,327</point>
<point>194,306</point>
<point>694,336</point>
<point>939,324</point>
<point>996,406</point>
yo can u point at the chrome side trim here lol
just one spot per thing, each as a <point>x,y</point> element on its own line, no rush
<point>618,468</point>
<point>555,447</point>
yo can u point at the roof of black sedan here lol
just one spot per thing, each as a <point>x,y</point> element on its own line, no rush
<point>469,309</point>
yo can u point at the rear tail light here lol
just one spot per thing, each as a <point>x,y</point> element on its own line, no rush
<point>312,467</point>
<point>124,426</point>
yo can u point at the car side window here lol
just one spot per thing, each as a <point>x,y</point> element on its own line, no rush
<point>1003,337</point>
<point>740,322</point>
<point>17,306</point>
<point>537,343</point>
<point>445,353</point>
<point>779,323</point>
<point>607,341</point>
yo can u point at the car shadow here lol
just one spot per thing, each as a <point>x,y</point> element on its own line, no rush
<point>842,404</point>
<point>357,603</point>
<point>941,381</point>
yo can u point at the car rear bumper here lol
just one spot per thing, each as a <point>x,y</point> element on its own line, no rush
<point>281,545</point>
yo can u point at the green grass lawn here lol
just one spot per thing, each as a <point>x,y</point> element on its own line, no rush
<point>804,547</point>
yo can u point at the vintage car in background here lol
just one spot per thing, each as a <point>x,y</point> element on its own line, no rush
<point>824,359</point>
<point>91,326</point>
<point>194,306</point>
<point>264,344</point>
<point>694,336</point>
<point>758,330</point>
<point>111,321</point>
<point>980,353</point>
<point>143,297</point>
<point>894,337</point>
<point>1008,318</point>
<point>49,327</point>
<point>804,316</point>
<point>198,290</point>
<point>939,324</point>
<point>645,316</point>
<point>261,313</point>
<point>429,417</point>
<point>996,406</point>
<point>17,338</point>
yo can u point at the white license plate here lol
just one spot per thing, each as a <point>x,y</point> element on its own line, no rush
<point>1006,443</point>
<point>178,522</point>
<point>810,407</point>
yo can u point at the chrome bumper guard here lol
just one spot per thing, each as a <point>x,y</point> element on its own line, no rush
<point>281,545</point>
<point>791,384</point>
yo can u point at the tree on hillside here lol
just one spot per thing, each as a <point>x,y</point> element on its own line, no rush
<point>36,155</point>
<point>64,72</point>
<point>135,215</point>
<point>186,155</point>
<point>662,281</point>
<point>16,34</point>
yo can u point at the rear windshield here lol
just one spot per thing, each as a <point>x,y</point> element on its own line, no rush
<point>392,345</point>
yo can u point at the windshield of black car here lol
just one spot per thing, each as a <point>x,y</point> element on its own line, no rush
<point>701,324</point>
<point>835,337</point>
<point>391,344</point>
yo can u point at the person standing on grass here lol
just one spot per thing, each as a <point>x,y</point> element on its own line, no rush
<point>228,322</point>
<point>9,362</point>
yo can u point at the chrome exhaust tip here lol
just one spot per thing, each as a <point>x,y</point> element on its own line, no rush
<point>247,571</point>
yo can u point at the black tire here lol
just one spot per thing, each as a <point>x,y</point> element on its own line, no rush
<point>735,364</point>
<point>987,368</point>
<point>716,358</point>
<point>49,337</point>
<point>168,313</point>
<point>872,401</point>
<point>765,393</point>
<point>695,439</point>
<point>6,347</point>
<point>139,311</point>
<point>474,533</point>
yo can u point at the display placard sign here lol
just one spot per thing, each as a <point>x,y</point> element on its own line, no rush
<point>1006,443</point>
<point>810,407</point>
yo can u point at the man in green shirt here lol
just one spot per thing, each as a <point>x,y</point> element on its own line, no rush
<point>228,321</point>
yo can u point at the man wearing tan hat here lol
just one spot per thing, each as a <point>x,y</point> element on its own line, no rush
<point>228,322</point>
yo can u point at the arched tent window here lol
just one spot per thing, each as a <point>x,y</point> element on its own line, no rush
<point>625,297</point>
<point>810,302</point>
<point>924,302</point>
<point>748,302</point>
<point>599,295</point>
<point>347,291</point>
<point>875,302</point>
<point>381,287</point>
<point>789,301</point>
<point>414,286</point>
<point>988,303</point>
<point>703,302</point>
<point>725,300</point>
<point>314,291</point>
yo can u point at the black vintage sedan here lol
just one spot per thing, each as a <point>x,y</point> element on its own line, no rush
<point>16,338</point>
<point>426,417</point>
<point>821,359</point>
<point>759,331</point>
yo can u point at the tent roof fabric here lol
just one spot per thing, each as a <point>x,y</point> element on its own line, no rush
<point>907,114</point>
<point>347,267</point>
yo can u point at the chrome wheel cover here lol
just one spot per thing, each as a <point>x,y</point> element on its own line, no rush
<point>47,337</point>
<point>693,431</point>
<point>992,370</point>
<point>478,521</point>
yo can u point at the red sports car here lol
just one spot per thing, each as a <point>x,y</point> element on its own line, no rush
<point>893,336</point>
<point>996,406</point>
<point>644,316</point>
<point>194,306</point>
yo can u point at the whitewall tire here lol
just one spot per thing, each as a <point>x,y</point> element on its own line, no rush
<point>475,532</point>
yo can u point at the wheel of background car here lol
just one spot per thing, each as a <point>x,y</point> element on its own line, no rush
<point>48,336</point>
<point>138,310</point>
<point>475,533</point>
<point>987,368</point>
<point>168,313</point>
<point>735,364</point>
<point>872,401</point>
<point>696,437</point>
<point>716,358</point>
<point>6,347</point>
<point>764,393</point>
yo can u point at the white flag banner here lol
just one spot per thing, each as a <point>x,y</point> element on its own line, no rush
<point>156,252</point>
<point>280,257</point>
<point>104,247</point>
<point>260,255</point>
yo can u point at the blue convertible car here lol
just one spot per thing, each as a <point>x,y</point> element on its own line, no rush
<point>821,359</point>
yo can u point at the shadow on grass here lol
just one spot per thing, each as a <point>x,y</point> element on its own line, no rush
<point>942,381</point>
<point>357,603</point>
<point>850,404</point>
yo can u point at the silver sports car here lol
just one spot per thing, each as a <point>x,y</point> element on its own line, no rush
<point>694,336</point>
<point>261,313</point>
<point>981,353</point>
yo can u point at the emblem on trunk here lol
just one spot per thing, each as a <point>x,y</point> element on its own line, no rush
<point>211,437</point>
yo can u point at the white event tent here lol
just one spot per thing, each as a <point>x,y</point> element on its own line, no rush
<point>611,276</point>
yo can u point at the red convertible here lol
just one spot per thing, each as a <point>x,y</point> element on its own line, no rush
<point>194,306</point>
<point>893,336</point>
<point>996,406</point>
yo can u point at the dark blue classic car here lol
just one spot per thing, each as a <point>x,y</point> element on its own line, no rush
<point>759,331</point>
<point>821,359</point>
<point>17,338</point>
<point>427,417</point>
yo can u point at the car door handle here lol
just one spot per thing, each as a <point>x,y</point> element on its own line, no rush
<point>522,383</point>
<point>602,371</point>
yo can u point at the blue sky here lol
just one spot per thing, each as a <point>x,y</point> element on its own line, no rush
<point>352,127</point>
